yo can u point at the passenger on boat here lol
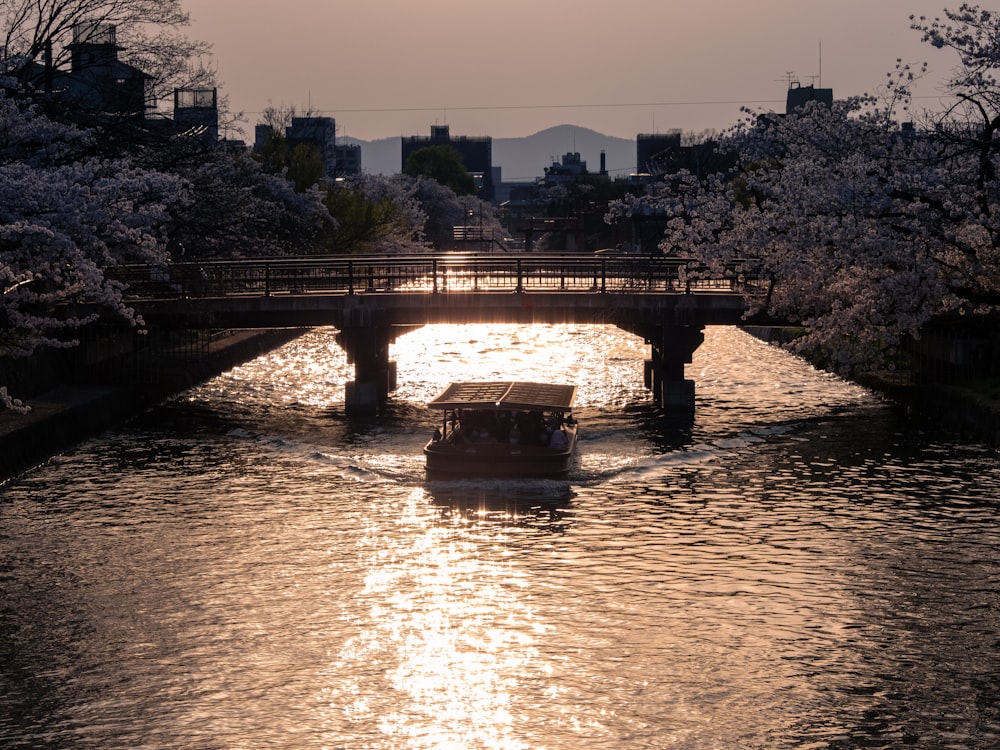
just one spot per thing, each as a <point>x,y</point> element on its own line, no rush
<point>558,440</point>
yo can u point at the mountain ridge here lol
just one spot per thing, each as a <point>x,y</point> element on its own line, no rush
<point>525,158</point>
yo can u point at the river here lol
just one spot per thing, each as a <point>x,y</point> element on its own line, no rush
<point>245,567</point>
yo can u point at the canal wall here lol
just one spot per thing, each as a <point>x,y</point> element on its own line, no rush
<point>64,412</point>
<point>971,414</point>
<point>961,410</point>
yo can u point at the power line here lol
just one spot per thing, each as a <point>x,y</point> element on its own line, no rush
<point>516,107</point>
<point>508,107</point>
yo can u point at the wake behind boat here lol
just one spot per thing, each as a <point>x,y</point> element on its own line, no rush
<point>503,429</point>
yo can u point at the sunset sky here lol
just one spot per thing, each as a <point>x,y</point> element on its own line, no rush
<point>395,67</point>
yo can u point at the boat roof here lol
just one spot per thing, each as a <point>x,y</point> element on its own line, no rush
<point>495,396</point>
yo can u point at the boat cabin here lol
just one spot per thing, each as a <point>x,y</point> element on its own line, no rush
<point>503,429</point>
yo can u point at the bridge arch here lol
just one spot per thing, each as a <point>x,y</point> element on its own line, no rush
<point>375,373</point>
<point>667,302</point>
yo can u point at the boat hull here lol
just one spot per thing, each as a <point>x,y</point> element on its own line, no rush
<point>445,459</point>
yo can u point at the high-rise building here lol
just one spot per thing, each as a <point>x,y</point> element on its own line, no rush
<point>476,154</point>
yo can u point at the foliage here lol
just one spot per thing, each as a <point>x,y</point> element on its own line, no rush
<point>865,230</point>
<point>366,222</point>
<point>232,209</point>
<point>305,166</point>
<point>399,213</point>
<point>442,164</point>
<point>303,163</point>
<point>273,153</point>
<point>67,220</point>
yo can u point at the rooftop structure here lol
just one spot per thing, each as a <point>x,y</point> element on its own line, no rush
<point>568,170</point>
<point>98,84</point>
<point>196,112</point>
<point>798,96</point>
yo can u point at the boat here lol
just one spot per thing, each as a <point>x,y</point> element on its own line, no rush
<point>503,429</point>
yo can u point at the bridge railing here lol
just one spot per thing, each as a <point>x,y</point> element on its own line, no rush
<point>436,274</point>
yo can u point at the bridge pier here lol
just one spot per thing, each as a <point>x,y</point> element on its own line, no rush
<point>664,372</point>
<point>367,348</point>
<point>391,297</point>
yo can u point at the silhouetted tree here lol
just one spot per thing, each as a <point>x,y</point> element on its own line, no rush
<point>363,224</point>
<point>147,31</point>
<point>869,230</point>
<point>442,164</point>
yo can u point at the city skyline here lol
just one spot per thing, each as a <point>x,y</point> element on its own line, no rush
<point>387,68</point>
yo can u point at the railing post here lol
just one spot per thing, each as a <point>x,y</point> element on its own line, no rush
<point>520,278</point>
<point>350,277</point>
<point>267,279</point>
<point>434,276</point>
<point>604,276</point>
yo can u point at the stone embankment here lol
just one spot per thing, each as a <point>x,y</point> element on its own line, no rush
<point>66,414</point>
<point>69,413</point>
<point>970,414</point>
<point>961,410</point>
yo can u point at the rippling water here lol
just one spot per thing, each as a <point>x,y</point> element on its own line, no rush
<point>245,567</point>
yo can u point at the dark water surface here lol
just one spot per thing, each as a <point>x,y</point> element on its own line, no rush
<point>244,567</point>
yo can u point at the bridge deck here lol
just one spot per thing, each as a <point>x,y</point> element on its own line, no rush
<point>372,300</point>
<point>455,288</point>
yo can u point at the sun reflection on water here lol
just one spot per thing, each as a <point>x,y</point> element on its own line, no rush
<point>449,636</point>
<point>247,567</point>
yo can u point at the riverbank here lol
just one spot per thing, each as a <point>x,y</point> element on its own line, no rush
<point>970,413</point>
<point>69,413</point>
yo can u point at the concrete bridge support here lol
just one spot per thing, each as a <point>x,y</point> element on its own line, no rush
<point>672,348</point>
<point>367,348</point>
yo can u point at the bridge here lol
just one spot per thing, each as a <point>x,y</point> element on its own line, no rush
<point>372,301</point>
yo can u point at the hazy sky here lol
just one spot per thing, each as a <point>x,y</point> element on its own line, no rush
<point>395,67</point>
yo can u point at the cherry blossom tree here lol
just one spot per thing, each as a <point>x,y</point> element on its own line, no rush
<point>231,208</point>
<point>67,220</point>
<point>386,215</point>
<point>865,229</point>
<point>824,205</point>
<point>70,217</point>
<point>966,206</point>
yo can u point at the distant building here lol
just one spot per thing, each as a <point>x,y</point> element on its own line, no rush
<point>798,96</point>
<point>321,133</point>
<point>568,170</point>
<point>99,88</point>
<point>98,85</point>
<point>348,159</point>
<point>476,154</point>
<point>651,147</point>
<point>657,158</point>
<point>261,132</point>
<point>196,113</point>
